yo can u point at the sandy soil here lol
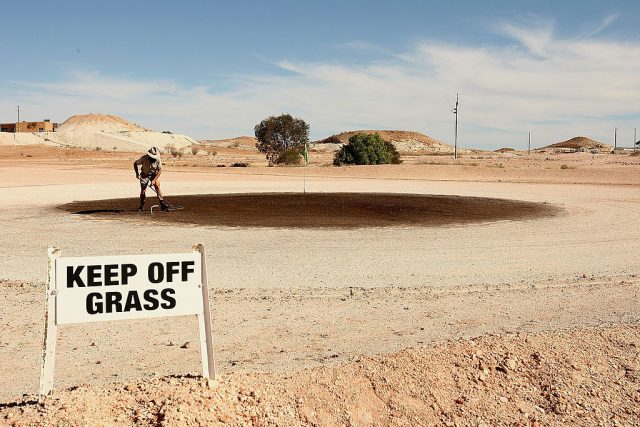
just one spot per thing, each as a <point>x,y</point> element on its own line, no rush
<point>290,299</point>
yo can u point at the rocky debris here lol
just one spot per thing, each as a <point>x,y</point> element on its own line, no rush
<point>580,378</point>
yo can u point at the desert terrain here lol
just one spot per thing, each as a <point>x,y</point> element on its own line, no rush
<point>507,320</point>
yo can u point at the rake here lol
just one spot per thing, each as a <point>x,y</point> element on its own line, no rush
<point>170,207</point>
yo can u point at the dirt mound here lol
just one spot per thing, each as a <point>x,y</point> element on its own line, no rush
<point>240,142</point>
<point>580,143</point>
<point>404,141</point>
<point>321,210</point>
<point>504,150</point>
<point>587,377</point>
<point>387,135</point>
<point>98,123</point>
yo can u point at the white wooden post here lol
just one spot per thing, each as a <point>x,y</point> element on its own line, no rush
<point>204,320</point>
<point>50,327</point>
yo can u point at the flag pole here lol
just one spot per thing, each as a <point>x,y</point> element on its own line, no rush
<point>306,162</point>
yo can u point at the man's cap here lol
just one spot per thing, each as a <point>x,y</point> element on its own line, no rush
<point>154,153</point>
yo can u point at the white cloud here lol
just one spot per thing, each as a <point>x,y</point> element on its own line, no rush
<point>606,22</point>
<point>533,81</point>
<point>536,37</point>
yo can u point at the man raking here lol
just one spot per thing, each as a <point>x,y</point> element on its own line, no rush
<point>150,170</point>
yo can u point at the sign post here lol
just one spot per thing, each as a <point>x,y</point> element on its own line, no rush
<point>204,321</point>
<point>93,289</point>
<point>50,326</point>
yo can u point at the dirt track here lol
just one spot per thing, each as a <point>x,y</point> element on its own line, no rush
<point>320,210</point>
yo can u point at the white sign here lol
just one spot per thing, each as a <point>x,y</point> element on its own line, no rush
<point>91,289</point>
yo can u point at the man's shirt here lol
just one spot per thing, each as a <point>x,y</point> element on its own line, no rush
<point>149,166</point>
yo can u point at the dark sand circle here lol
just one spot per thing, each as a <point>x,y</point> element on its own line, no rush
<point>318,210</point>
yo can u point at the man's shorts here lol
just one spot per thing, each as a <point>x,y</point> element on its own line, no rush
<point>144,182</point>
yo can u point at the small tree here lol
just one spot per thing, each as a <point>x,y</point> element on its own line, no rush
<point>367,149</point>
<point>277,134</point>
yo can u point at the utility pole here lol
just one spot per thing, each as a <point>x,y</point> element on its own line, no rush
<point>529,150</point>
<point>615,138</point>
<point>635,138</point>
<point>18,122</point>
<point>455,141</point>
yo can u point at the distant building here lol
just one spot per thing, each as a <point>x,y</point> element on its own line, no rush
<point>44,126</point>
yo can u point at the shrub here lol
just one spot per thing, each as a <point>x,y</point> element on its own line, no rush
<point>174,151</point>
<point>195,150</point>
<point>239,165</point>
<point>289,157</point>
<point>277,134</point>
<point>367,149</point>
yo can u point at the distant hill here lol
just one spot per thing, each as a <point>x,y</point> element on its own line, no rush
<point>581,143</point>
<point>240,142</point>
<point>100,132</point>
<point>406,142</point>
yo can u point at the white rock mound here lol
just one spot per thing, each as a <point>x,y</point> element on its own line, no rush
<point>105,123</point>
<point>102,132</point>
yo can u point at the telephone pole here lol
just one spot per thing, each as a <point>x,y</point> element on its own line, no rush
<point>18,122</point>
<point>529,150</point>
<point>455,141</point>
<point>615,138</point>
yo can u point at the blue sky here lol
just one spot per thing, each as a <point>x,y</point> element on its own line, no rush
<point>214,69</point>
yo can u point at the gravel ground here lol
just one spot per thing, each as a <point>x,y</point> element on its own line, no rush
<point>579,378</point>
<point>288,299</point>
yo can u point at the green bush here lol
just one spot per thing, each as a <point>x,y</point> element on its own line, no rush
<point>290,157</point>
<point>367,149</point>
